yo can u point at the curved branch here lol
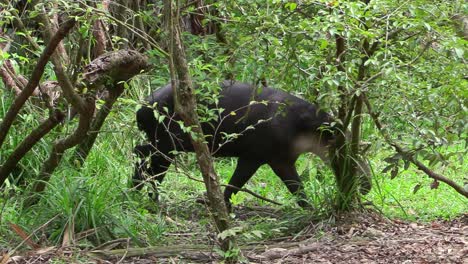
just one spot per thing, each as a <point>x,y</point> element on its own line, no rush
<point>407,156</point>
<point>241,190</point>
<point>54,119</point>
<point>83,149</point>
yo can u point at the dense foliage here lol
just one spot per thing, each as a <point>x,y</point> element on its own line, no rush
<point>407,57</point>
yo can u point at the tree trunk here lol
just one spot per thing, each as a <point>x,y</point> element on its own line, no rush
<point>341,153</point>
<point>185,105</point>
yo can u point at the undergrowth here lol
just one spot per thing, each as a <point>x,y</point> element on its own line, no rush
<point>96,203</point>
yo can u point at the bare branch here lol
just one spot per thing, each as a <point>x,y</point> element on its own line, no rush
<point>239,189</point>
<point>82,150</point>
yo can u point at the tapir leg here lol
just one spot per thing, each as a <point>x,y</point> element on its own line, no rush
<point>141,166</point>
<point>159,163</point>
<point>288,174</point>
<point>244,171</point>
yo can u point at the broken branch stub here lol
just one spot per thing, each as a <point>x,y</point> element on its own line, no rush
<point>114,67</point>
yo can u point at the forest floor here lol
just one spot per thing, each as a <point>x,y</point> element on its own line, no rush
<point>379,240</point>
<point>359,238</point>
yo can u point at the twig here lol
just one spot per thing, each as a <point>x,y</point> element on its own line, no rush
<point>110,244</point>
<point>126,252</point>
<point>193,252</point>
<point>240,189</point>
<point>83,149</point>
<point>32,233</point>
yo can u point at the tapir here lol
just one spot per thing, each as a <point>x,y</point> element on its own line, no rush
<point>258,125</point>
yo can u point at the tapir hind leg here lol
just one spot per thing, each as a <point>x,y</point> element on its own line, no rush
<point>244,171</point>
<point>288,174</point>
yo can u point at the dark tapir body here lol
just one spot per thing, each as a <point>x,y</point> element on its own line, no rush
<point>274,131</point>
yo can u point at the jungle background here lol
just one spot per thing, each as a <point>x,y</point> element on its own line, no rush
<point>395,70</point>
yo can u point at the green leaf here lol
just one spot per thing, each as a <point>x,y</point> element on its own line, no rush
<point>323,44</point>
<point>428,27</point>
<point>258,233</point>
<point>4,55</point>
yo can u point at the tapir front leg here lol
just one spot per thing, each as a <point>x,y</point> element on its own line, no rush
<point>141,166</point>
<point>244,171</point>
<point>288,174</point>
<point>159,163</point>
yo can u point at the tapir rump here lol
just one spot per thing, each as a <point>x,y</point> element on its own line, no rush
<point>257,125</point>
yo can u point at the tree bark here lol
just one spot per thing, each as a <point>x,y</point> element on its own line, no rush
<point>185,105</point>
<point>122,15</point>
<point>116,66</point>
<point>460,22</point>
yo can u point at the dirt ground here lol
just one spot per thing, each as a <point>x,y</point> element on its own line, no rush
<point>356,239</point>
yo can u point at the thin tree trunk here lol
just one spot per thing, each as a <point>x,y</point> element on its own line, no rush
<point>341,153</point>
<point>122,15</point>
<point>185,105</point>
<point>346,152</point>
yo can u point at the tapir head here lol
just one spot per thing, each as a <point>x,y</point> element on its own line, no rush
<point>318,137</point>
<point>324,148</point>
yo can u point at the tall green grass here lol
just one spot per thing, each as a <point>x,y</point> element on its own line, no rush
<point>410,196</point>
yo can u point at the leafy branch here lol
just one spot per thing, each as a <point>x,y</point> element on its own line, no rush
<point>407,155</point>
